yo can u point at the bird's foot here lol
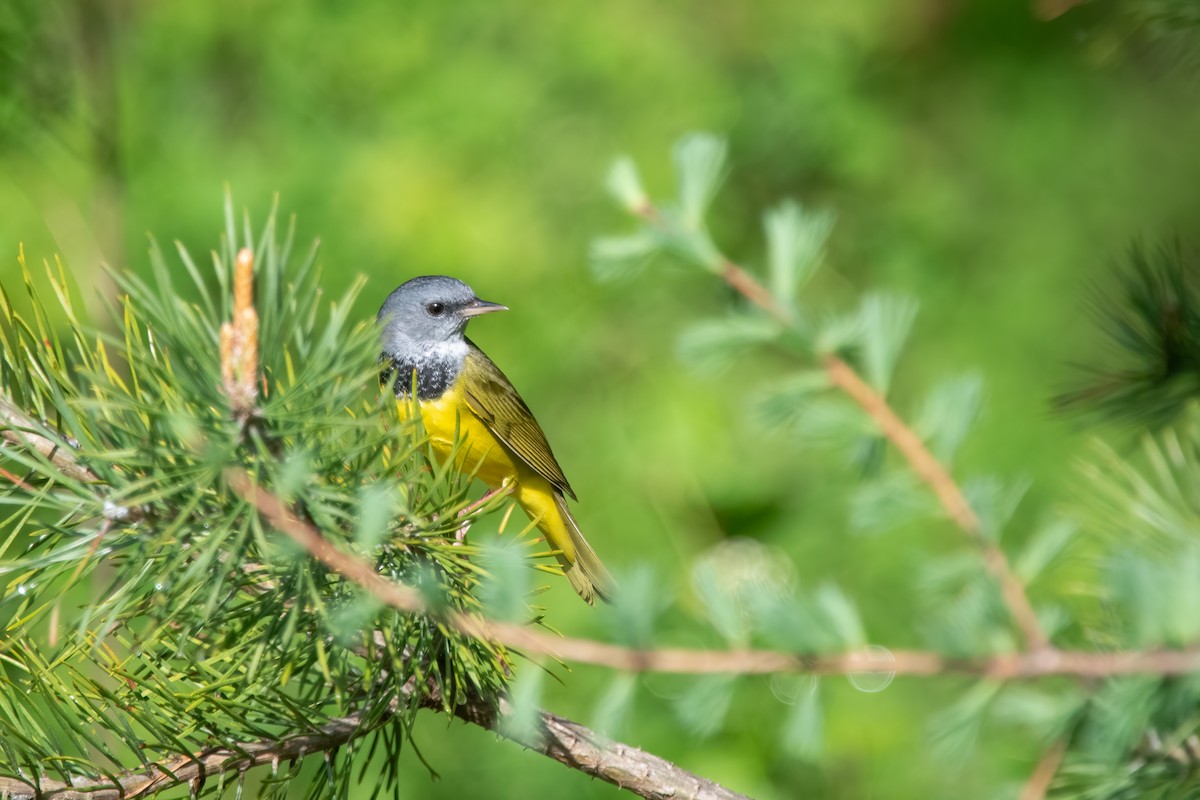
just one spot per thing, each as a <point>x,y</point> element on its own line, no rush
<point>460,535</point>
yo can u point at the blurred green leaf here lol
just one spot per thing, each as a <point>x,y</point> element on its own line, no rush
<point>948,414</point>
<point>789,623</point>
<point>504,586</point>
<point>886,322</point>
<point>955,730</point>
<point>840,333</point>
<point>890,502</point>
<point>796,241</point>
<point>714,345</point>
<point>633,614</point>
<point>834,421</point>
<point>782,402</point>
<point>614,704</point>
<point>1156,597</point>
<point>964,610</point>
<point>994,501</point>
<point>353,617</point>
<point>724,607</point>
<point>841,615</point>
<point>625,185</point>
<point>699,168</point>
<point>736,577</point>
<point>1119,715</point>
<point>691,244</point>
<point>615,258</point>
<point>1152,496</point>
<point>803,733</point>
<point>1051,713</point>
<point>376,511</point>
<point>703,706</point>
<point>523,721</point>
<point>1046,544</point>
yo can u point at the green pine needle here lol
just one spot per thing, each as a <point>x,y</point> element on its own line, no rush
<point>1150,323</point>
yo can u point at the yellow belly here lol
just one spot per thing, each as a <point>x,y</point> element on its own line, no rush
<point>454,431</point>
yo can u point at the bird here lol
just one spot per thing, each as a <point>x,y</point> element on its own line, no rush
<point>471,412</point>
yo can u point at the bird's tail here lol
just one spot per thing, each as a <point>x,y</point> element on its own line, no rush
<point>587,573</point>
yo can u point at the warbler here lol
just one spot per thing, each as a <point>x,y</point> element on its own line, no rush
<point>471,411</point>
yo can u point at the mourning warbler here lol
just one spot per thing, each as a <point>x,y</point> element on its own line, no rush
<point>471,411</point>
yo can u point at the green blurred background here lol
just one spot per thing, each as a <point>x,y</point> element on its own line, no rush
<point>986,159</point>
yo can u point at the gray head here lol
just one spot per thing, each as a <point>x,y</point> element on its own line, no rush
<point>427,314</point>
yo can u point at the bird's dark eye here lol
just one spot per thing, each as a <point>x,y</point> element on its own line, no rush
<point>435,309</point>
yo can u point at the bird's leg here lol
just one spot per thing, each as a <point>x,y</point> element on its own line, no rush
<point>466,526</point>
<point>461,535</point>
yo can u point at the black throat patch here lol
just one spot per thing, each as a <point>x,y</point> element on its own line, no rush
<point>434,376</point>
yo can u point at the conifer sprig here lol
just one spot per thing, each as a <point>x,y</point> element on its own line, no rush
<point>1149,323</point>
<point>869,342</point>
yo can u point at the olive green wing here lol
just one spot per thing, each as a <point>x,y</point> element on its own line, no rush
<point>491,396</point>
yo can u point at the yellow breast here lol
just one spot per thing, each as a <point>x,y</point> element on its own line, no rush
<point>455,431</point>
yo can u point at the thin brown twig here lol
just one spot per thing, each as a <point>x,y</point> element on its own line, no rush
<point>15,480</point>
<point>1043,662</point>
<point>745,284</point>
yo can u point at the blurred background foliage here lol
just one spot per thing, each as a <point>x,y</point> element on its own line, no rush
<point>992,159</point>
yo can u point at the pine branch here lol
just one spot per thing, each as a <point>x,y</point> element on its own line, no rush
<point>1148,321</point>
<point>174,648</point>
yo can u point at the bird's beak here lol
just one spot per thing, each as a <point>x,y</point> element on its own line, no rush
<point>477,307</point>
